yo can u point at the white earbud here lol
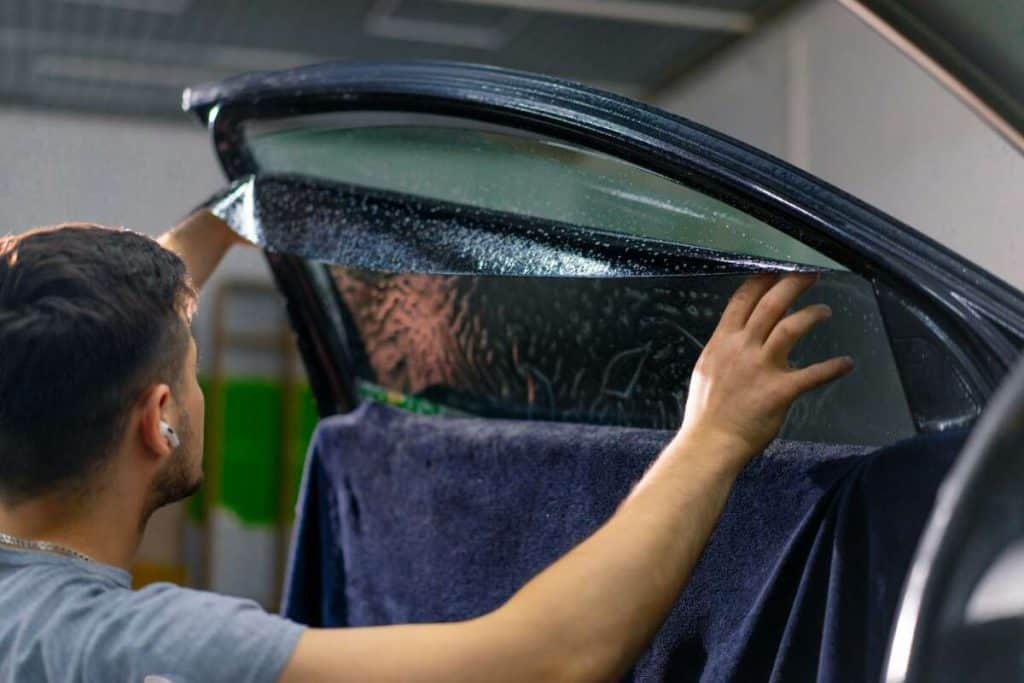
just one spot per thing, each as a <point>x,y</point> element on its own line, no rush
<point>168,433</point>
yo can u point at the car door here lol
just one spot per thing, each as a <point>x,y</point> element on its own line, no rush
<point>464,239</point>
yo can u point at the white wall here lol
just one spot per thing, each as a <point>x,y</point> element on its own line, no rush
<point>57,167</point>
<point>119,171</point>
<point>822,90</point>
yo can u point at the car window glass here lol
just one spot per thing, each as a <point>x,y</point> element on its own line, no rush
<point>507,172</point>
<point>527,328</point>
<point>600,350</point>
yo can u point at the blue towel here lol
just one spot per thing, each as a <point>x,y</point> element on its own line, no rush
<point>408,519</point>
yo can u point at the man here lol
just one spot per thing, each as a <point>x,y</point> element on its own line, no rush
<point>101,424</point>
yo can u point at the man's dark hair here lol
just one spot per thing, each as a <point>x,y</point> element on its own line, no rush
<point>89,317</point>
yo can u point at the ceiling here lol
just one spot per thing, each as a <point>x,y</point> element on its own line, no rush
<point>135,56</point>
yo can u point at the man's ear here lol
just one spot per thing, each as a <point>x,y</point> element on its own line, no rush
<point>154,407</point>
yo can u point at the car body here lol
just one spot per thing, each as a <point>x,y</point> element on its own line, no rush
<point>415,218</point>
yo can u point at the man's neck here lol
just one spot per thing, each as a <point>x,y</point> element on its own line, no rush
<point>103,528</point>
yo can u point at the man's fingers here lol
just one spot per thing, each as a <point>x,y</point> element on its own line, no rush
<point>814,376</point>
<point>744,300</point>
<point>774,304</point>
<point>793,328</point>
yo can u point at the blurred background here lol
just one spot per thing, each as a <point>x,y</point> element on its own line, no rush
<point>91,129</point>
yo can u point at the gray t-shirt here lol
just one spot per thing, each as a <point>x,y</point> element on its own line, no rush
<point>63,619</point>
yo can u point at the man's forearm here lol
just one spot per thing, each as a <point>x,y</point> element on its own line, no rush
<point>201,240</point>
<point>600,606</point>
<point>585,618</point>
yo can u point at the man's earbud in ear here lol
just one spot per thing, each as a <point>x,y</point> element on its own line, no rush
<point>168,433</point>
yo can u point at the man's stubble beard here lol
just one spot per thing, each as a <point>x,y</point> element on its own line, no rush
<point>177,480</point>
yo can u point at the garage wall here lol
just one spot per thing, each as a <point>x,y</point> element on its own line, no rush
<point>822,90</point>
<point>54,163</point>
<point>145,175</point>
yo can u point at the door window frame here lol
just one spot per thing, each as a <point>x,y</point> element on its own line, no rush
<point>979,319</point>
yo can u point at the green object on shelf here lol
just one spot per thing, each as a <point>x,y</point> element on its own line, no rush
<point>252,443</point>
<point>250,435</point>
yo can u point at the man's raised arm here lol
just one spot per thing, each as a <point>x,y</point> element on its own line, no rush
<point>201,240</point>
<point>591,614</point>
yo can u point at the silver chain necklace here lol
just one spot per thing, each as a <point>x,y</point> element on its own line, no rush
<point>44,546</point>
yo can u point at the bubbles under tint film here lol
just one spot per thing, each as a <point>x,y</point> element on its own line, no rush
<point>601,350</point>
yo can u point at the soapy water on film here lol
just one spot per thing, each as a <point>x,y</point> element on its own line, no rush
<point>385,231</point>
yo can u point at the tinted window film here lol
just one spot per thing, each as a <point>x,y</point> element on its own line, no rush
<point>504,171</point>
<point>612,351</point>
<point>382,230</point>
